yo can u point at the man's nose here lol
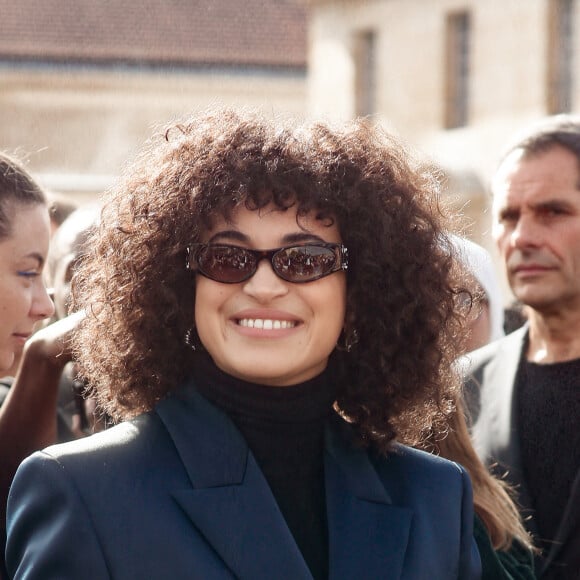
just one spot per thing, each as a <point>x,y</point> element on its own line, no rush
<point>526,233</point>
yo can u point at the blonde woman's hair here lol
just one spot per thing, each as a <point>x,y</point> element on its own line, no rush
<point>492,497</point>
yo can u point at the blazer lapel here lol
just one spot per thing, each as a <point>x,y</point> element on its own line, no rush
<point>229,502</point>
<point>498,436</point>
<point>499,397</point>
<point>498,429</point>
<point>366,532</point>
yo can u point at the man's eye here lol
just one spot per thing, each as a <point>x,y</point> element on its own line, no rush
<point>508,217</point>
<point>552,211</point>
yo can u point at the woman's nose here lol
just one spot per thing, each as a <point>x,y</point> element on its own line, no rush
<point>42,305</point>
<point>265,284</point>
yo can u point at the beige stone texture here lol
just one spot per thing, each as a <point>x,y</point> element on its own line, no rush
<point>507,90</point>
<point>77,127</point>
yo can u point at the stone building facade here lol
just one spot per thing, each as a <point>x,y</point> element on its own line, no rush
<point>454,77</point>
<point>84,83</point>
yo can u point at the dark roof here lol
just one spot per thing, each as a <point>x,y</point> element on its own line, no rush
<point>179,32</point>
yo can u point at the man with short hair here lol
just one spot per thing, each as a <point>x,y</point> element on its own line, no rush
<point>527,385</point>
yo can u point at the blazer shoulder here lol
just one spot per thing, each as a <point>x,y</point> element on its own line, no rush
<point>439,493</point>
<point>428,463</point>
<point>417,471</point>
<point>125,443</point>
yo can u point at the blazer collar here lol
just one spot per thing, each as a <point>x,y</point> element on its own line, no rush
<point>229,501</point>
<point>496,430</point>
<point>498,400</point>
<point>359,509</point>
<point>231,504</point>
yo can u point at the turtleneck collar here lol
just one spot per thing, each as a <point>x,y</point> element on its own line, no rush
<point>306,402</point>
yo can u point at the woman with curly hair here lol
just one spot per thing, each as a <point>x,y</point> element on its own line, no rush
<point>269,307</point>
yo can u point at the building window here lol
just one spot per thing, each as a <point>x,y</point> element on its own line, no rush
<point>458,28</point>
<point>365,73</point>
<point>560,56</point>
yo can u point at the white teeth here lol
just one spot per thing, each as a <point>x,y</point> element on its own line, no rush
<point>266,324</point>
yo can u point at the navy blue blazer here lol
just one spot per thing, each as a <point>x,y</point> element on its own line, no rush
<point>176,493</point>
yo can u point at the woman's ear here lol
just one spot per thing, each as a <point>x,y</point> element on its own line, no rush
<point>349,336</point>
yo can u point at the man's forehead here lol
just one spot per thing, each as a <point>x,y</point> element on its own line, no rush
<point>504,172</point>
<point>555,169</point>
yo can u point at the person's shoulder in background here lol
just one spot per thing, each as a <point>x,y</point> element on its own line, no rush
<point>517,563</point>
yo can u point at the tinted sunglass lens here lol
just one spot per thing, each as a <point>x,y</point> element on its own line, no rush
<point>226,264</point>
<point>232,264</point>
<point>304,263</point>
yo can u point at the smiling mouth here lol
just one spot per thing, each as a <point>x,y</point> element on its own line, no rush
<point>266,324</point>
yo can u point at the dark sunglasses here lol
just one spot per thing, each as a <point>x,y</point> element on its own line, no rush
<point>298,264</point>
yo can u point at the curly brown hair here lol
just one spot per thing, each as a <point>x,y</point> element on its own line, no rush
<point>139,295</point>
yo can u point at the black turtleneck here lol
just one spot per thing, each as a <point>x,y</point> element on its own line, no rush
<point>284,428</point>
<point>548,410</point>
